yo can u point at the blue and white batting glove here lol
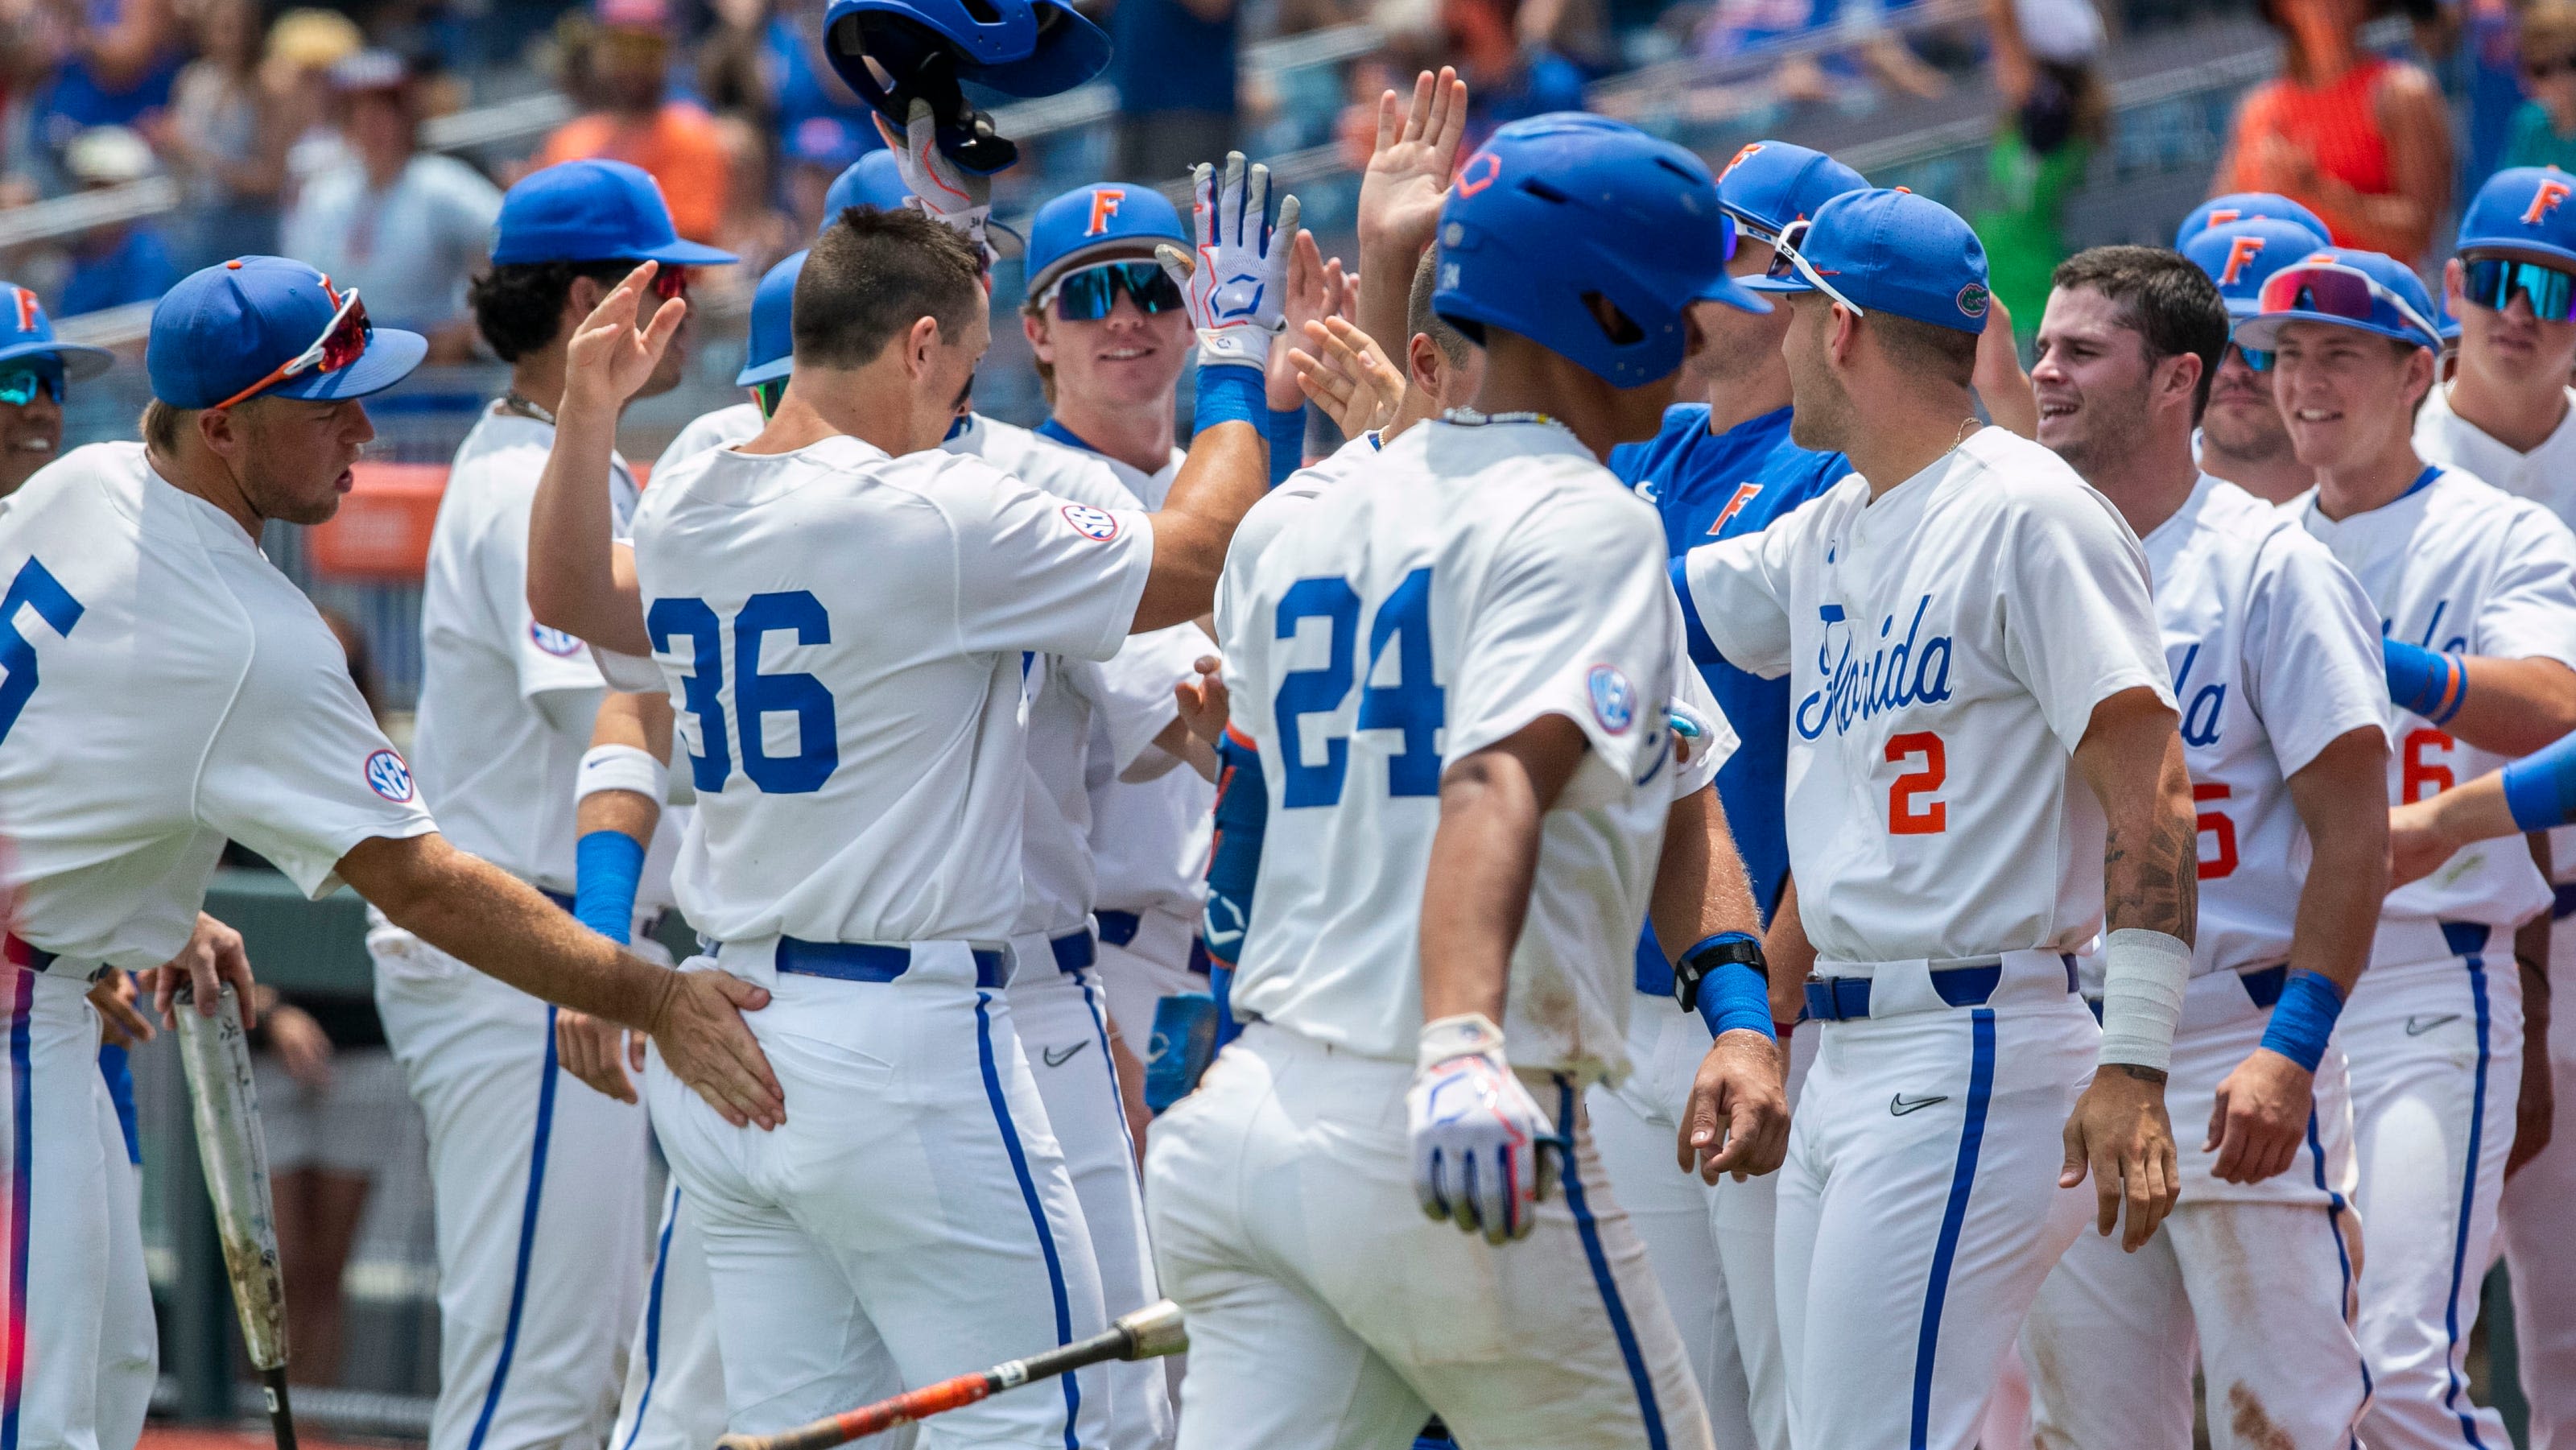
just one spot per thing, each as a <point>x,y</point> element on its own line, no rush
<point>942,189</point>
<point>1483,1150</point>
<point>1237,284</point>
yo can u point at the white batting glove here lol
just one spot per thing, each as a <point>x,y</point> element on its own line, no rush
<point>941,188</point>
<point>1237,284</point>
<point>1483,1150</point>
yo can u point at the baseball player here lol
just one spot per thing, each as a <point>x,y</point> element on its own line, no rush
<point>1465,825</point>
<point>930,1220</point>
<point>1718,469</point>
<point>2504,417</point>
<point>34,370</point>
<point>136,576</point>
<point>2242,438</point>
<point>2476,592</point>
<point>541,1193</point>
<point>1968,638</point>
<point>1111,339</point>
<point>2275,660</point>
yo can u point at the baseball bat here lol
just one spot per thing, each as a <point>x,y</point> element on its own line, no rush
<point>1151,1331</point>
<point>225,1106</point>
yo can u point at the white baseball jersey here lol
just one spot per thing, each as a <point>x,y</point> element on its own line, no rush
<point>162,688</point>
<point>2275,654</point>
<point>712,429</point>
<point>842,634</point>
<point>1273,511</point>
<point>1946,645</point>
<point>2458,565</point>
<point>1498,576</point>
<point>506,704</point>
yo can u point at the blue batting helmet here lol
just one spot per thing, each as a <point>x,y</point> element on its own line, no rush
<point>1585,235</point>
<point>1017,47</point>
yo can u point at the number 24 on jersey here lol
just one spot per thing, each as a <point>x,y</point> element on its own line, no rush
<point>1415,705</point>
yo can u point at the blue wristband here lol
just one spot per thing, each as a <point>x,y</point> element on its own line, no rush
<point>1733,996</point>
<point>2304,1018</point>
<point>1229,393</point>
<point>2540,788</point>
<point>1287,434</point>
<point>607,867</point>
<point>2430,683</point>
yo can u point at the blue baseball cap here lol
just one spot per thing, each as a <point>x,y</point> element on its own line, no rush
<point>29,333</point>
<point>224,328</point>
<point>2380,306</point>
<point>874,180</point>
<point>593,211</point>
<point>2239,206</point>
<point>1088,223</point>
<point>1893,252</point>
<point>832,141</point>
<point>1723,287</point>
<point>2523,209</point>
<point>771,353</point>
<point>1770,184</point>
<point>2239,255</point>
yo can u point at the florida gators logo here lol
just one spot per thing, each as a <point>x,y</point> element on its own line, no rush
<point>1105,201</point>
<point>1471,180</point>
<point>2240,250</point>
<point>1742,154</point>
<point>31,314</point>
<point>2544,200</point>
<point>1745,493</point>
<point>1972,299</point>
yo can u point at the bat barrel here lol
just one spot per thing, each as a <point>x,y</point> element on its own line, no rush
<point>225,1106</point>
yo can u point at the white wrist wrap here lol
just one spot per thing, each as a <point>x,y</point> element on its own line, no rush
<point>621,767</point>
<point>2143,976</point>
<point>1470,1035</point>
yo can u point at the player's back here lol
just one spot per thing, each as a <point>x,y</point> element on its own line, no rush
<point>842,632</point>
<point>1463,583</point>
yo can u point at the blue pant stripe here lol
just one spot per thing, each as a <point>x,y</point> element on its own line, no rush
<point>527,1240</point>
<point>2335,1210</point>
<point>1626,1333</point>
<point>22,1165</point>
<point>1972,1139</point>
<point>1100,1029</point>
<point>2468,1201</point>
<point>1037,1208</point>
<point>653,1319</point>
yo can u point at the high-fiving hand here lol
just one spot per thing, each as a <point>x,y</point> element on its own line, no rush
<point>1408,174</point>
<point>1237,284</point>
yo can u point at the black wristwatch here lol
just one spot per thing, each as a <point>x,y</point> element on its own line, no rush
<point>1724,949</point>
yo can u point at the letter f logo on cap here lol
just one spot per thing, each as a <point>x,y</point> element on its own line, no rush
<point>2240,250</point>
<point>2544,200</point>
<point>1740,157</point>
<point>28,315</point>
<point>1104,204</point>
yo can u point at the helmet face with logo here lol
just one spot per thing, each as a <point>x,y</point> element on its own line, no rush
<point>1585,235</point>
<point>1094,223</point>
<point>1017,47</point>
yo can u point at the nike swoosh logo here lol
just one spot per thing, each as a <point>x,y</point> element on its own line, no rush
<point>1900,1104</point>
<point>1058,1058</point>
<point>2418,1026</point>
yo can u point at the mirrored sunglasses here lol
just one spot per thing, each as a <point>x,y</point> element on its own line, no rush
<point>1088,295</point>
<point>2492,281</point>
<point>19,386</point>
<point>343,341</point>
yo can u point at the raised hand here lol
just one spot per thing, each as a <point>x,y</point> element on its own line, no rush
<point>1314,286</point>
<point>610,358</point>
<point>1347,376</point>
<point>946,191</point>
<point>1484,1151</point>
<point>1236,286</point>
<point>1408,174</point>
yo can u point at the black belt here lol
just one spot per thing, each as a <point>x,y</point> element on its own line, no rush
<point>851,961</point>
<point>20,952</point>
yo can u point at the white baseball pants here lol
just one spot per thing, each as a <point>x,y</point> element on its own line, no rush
<point>79,1376</point>
<point>1919,1208</point>
<point>911,1220</point>
<point>540,1201</point>
<point>1327,1313</point>
<point>1138,974</point>
<point>1062,1019</point>
<point>2540,1227</point>
<point>2436,1059</point>
<point>2250,1282</point>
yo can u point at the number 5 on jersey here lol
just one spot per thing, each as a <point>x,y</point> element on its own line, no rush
<point>755,695</point>
<point>1414,705</point>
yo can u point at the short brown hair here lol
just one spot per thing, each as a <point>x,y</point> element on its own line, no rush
<point>870,276</point>
<point>1418,316</point>
<point>1927,347</point>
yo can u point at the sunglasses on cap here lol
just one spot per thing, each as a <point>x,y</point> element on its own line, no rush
<point>1788,262</point>
<point>19,386</point>
<point>2492,281</point>
<point>343,341</point>
<point>1088,294</point>
<point>2332,289</point>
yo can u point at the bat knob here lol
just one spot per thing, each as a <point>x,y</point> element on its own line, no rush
<point>1156,1330</point>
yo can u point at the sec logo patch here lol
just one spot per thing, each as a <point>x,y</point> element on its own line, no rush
<point>554,641</point>
<point>387,776</point>
<point>1098,525</point>
<point>1614,700</point>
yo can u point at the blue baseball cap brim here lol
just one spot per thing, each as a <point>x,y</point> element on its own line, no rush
<point>2522,244</point>
<point>78,360</point>
<point>2262,333</point>
<point>1739,295</point>
<point>764,372</point>
<point>390,357</point>
<point>1788,286</point>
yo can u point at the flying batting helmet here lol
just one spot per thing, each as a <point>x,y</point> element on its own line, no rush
<point>926,47</point>
<point>1585,235</point>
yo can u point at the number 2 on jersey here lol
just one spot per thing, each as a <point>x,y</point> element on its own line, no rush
<point>35,588</point>
<point>1414,705</point>
<point>1904,816</point>
<point>755,695</point>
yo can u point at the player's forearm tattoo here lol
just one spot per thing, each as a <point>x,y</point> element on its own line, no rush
<point>2152,876</point>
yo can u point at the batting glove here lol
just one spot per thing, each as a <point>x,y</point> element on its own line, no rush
<point>1483,1151</point>
<point>940,187</point>
<point>1237,285</point>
